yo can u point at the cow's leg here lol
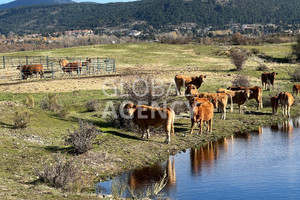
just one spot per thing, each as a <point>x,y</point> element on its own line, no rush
<point>168,139</point>
<point>148,132</point>
<point>200,126</point>
<point>192,125</point>
<point>240,108</point>
<point>210,125</point>
<point>143,132</point>
<point>178,88</point>
<point>289,110</point>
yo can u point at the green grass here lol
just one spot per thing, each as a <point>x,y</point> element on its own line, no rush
<point>24,150</point>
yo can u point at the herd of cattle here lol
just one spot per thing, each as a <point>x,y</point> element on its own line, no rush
<point>38,69</point>
<point>202,105</point>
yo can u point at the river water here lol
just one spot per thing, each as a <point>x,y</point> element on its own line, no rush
<point>262,164</point>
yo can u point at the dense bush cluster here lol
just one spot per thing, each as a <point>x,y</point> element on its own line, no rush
<point>60,173</point>
<point>82,138</point>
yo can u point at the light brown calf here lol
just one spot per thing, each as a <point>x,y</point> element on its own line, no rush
<point>183,81</point>
<point>256,94</point>
<point>238,97</point>
<point>219,100</point>
<point>286,100</point>
<point>202,111</point>
<point>296,89</point>
<point>145,116</point>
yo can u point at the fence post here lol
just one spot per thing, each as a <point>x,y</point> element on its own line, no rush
<point>3,62</point>
<point>26,60</point>
<point>47,62</point>
<point>52,68</point>
<point>114,65</point>
<point>93,68</point>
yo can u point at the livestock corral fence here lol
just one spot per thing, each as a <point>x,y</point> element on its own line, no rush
<point>24,67</point>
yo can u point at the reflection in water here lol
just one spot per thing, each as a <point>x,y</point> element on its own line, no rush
<point>205,156</point>
<point>238,150</point>
<point>141,178</point>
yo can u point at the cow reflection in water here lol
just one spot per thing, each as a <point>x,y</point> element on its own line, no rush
<point>143,178</point>
<point>205,156</point>
<point>287,127</point>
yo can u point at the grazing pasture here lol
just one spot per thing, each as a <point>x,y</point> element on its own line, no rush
<point>115,150</point>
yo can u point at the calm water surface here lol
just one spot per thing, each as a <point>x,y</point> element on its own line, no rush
<point>263,164</point>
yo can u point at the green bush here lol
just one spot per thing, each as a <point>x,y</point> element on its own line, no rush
<point>21,119</point>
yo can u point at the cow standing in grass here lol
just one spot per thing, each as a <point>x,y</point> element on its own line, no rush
<point>183,81</point>
<point>296,89</point>
<point>274,104</point>
<point>238,97</point>
<point>268,79</point>
<point>202,111</point>
<point>286,101</point>
<point>256,94</point>
<point>146,116</point>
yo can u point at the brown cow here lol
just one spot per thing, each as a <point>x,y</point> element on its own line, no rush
<point>145,116</point>
<point>183,81</point>
<point>190,91</point>
<point>202,111</point>
<point>70,67</point>
<point>268,79</point>
<point>274,104</point>
<point>286,100</point>
<point>296,89</point>
<point>239,97</point>
<point>219,100</point>
<point>256,94</point>
<point>29,70</point>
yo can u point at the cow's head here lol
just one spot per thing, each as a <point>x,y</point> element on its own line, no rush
<point>63,63</point>
<point>190,91</point>
<point>248,93</point>
<point>19,67</point>
<point>274,74</point>
<point>130,107</point>
<point>199,80</point>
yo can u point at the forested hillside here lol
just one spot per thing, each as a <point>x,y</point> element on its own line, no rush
<point>157,14</point>
<point>18,3</point>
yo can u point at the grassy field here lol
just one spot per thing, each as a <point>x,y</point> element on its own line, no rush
<point>24,151</point>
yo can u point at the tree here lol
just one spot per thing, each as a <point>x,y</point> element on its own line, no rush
<point>238,57</point>
<point>296,48</point>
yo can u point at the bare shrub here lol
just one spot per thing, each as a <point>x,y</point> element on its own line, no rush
<point>50,102</point>
<point>241,81</point>
<point>238,57</point>
<point>29,101</point>
<point>82,138</point>
<point>21,119</point>
<point>60,173</point>
<point>63,111</point>
<point>238,39</point>
<point>92,105</point>
<point>295,75</point>
<point>262,67</point>
<point>118,120</point>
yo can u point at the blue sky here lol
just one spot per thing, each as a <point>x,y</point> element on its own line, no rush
<point>97,1</point>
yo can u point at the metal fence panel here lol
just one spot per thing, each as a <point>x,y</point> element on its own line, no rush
<point>52,67</point>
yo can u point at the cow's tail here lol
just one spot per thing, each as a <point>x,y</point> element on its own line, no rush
<point>172,119</point>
